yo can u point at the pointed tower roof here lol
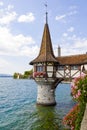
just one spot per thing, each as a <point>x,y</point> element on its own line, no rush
<point>46,51</point>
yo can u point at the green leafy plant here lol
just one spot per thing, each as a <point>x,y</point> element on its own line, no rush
<point>80,115</point>
<point>70,118</point>
<point>79,88</point>
<point>79,94</point>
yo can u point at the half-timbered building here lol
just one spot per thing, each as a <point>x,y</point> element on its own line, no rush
<point>71,66</point>
<point>49,71</point>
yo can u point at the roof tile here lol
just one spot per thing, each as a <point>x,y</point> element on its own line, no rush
<point>46,51</point>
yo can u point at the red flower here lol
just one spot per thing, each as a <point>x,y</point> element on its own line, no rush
<point>39,74</point>
<point>79,88</point>
<point>70,118</point>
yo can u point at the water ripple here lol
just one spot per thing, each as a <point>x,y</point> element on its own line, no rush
<point>18,110</point>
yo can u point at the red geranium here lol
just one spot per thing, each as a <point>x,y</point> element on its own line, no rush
<point>70,118</point>
<point>39,74</point>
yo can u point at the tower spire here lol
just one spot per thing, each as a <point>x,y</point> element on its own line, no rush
<point>46,14</point>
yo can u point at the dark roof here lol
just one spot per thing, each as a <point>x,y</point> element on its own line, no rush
<point>72,60</point>
<point>46,51</point>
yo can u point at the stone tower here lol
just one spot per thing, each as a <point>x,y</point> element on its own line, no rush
<point>44,70</point>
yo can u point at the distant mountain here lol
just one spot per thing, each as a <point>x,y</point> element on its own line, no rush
<point>5,75</point>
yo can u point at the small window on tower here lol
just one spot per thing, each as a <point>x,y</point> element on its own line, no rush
<point>39,68</point>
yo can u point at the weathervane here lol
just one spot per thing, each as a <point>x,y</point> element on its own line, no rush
<point>46,12</point>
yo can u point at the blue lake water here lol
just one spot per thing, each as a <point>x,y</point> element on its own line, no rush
<point>18,109</point>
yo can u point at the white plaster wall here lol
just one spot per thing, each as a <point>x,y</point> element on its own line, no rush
<point>60,74</point>
<point>73,72</point>
<point>84,66</point>
<point>50,68</point>
<point>50,74</point>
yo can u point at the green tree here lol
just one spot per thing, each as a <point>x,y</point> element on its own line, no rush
<point>28,74</point>
<point>15,75</point>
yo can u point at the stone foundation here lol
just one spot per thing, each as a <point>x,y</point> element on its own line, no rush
<point>46,94</point>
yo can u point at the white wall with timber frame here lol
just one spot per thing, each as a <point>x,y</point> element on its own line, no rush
<point>70,71</point>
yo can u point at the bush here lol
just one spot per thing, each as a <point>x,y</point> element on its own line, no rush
<point>15,75</point>
<point>80,115</point>
<point>79,93</point>
<point>79,88</point>
<point>70,118</point>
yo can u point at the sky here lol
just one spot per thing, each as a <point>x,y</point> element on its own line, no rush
<point>21,28</point>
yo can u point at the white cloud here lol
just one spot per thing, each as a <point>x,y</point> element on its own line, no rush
<point>63,16</point>
<point>10,7</point>
<point>72,7</point>
<point>1,3</point>
<point>7,18</point>
<point>71,29</point>
<point>8,67</point>
<point>65,34</point>
<point>3,63</point>
<point>72,44</point>
<point>72,11</point>
<point>5,66</point>
<point>81,43</point>
<point>60,17</point>
<point>18,47</point>
<point>29,17</point>
<point>7,15</point>
<point>31,52</point>
<point>16,44</point>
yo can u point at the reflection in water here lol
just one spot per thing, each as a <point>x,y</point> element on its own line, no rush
<point>47,119</point>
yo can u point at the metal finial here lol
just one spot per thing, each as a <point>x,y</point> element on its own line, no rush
<point>46,13</point>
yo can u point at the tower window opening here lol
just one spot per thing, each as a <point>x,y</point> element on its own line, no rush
<point>39,68</point>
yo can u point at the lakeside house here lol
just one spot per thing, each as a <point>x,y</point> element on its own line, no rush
<point>49,71</point>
